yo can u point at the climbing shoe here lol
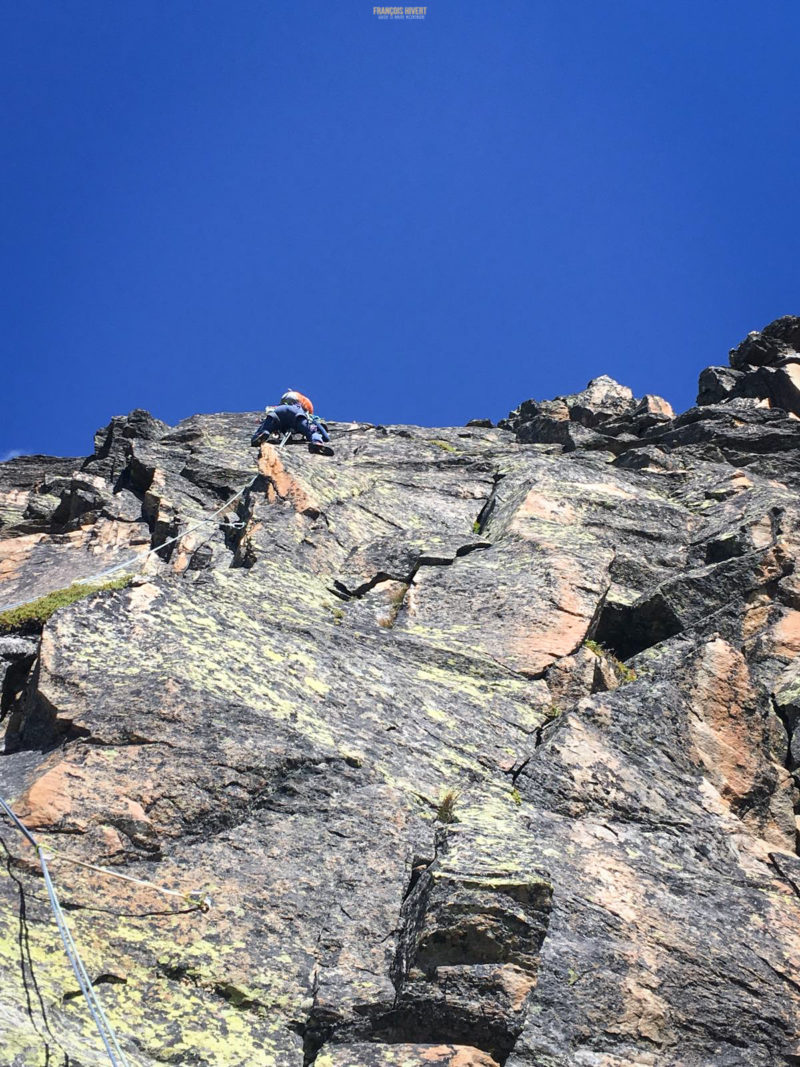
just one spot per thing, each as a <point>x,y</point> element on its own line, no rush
<point>319,448</point>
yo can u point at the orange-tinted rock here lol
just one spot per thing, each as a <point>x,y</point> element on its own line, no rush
<point>729,730</point>
<point>655,405</point>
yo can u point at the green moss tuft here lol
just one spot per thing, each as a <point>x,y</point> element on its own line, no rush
<point>35,614</point>
<point>445,811</point>
<point>443,444</point>
<point>622,671</point>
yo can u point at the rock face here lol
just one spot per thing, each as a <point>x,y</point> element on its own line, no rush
<point>764,367</point>
<point>480,742</point>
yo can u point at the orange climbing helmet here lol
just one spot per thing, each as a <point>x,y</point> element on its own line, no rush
<point>291,396</point>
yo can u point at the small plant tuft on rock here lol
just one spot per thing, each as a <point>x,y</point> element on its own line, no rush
<point>445,811</point>
<point>622,671</point>
<point>443,444</point>
<point>396,599</point>
<point>515,796</point>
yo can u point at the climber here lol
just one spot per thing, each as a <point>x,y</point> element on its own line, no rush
<point>295,414</point>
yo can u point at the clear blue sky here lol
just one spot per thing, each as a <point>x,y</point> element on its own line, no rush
<point>418,221</point>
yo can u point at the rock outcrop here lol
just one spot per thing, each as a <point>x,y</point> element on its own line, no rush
<point>470,747</point>
<point>764,367</point>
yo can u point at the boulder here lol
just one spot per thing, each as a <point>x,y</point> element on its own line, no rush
<point>717,384</point>
<point>778,341</point>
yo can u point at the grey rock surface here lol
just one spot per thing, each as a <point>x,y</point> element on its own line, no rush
<point>480,742</point>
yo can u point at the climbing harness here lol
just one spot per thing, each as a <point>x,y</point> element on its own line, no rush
<point>104,1027</point>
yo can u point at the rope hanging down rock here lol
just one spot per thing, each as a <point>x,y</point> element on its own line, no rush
<point>104,1027</point>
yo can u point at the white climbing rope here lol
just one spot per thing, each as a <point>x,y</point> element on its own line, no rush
<point>196,899</point>
<point>109,1038</point>
<point>140,560</point>
<point>202,522</point>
